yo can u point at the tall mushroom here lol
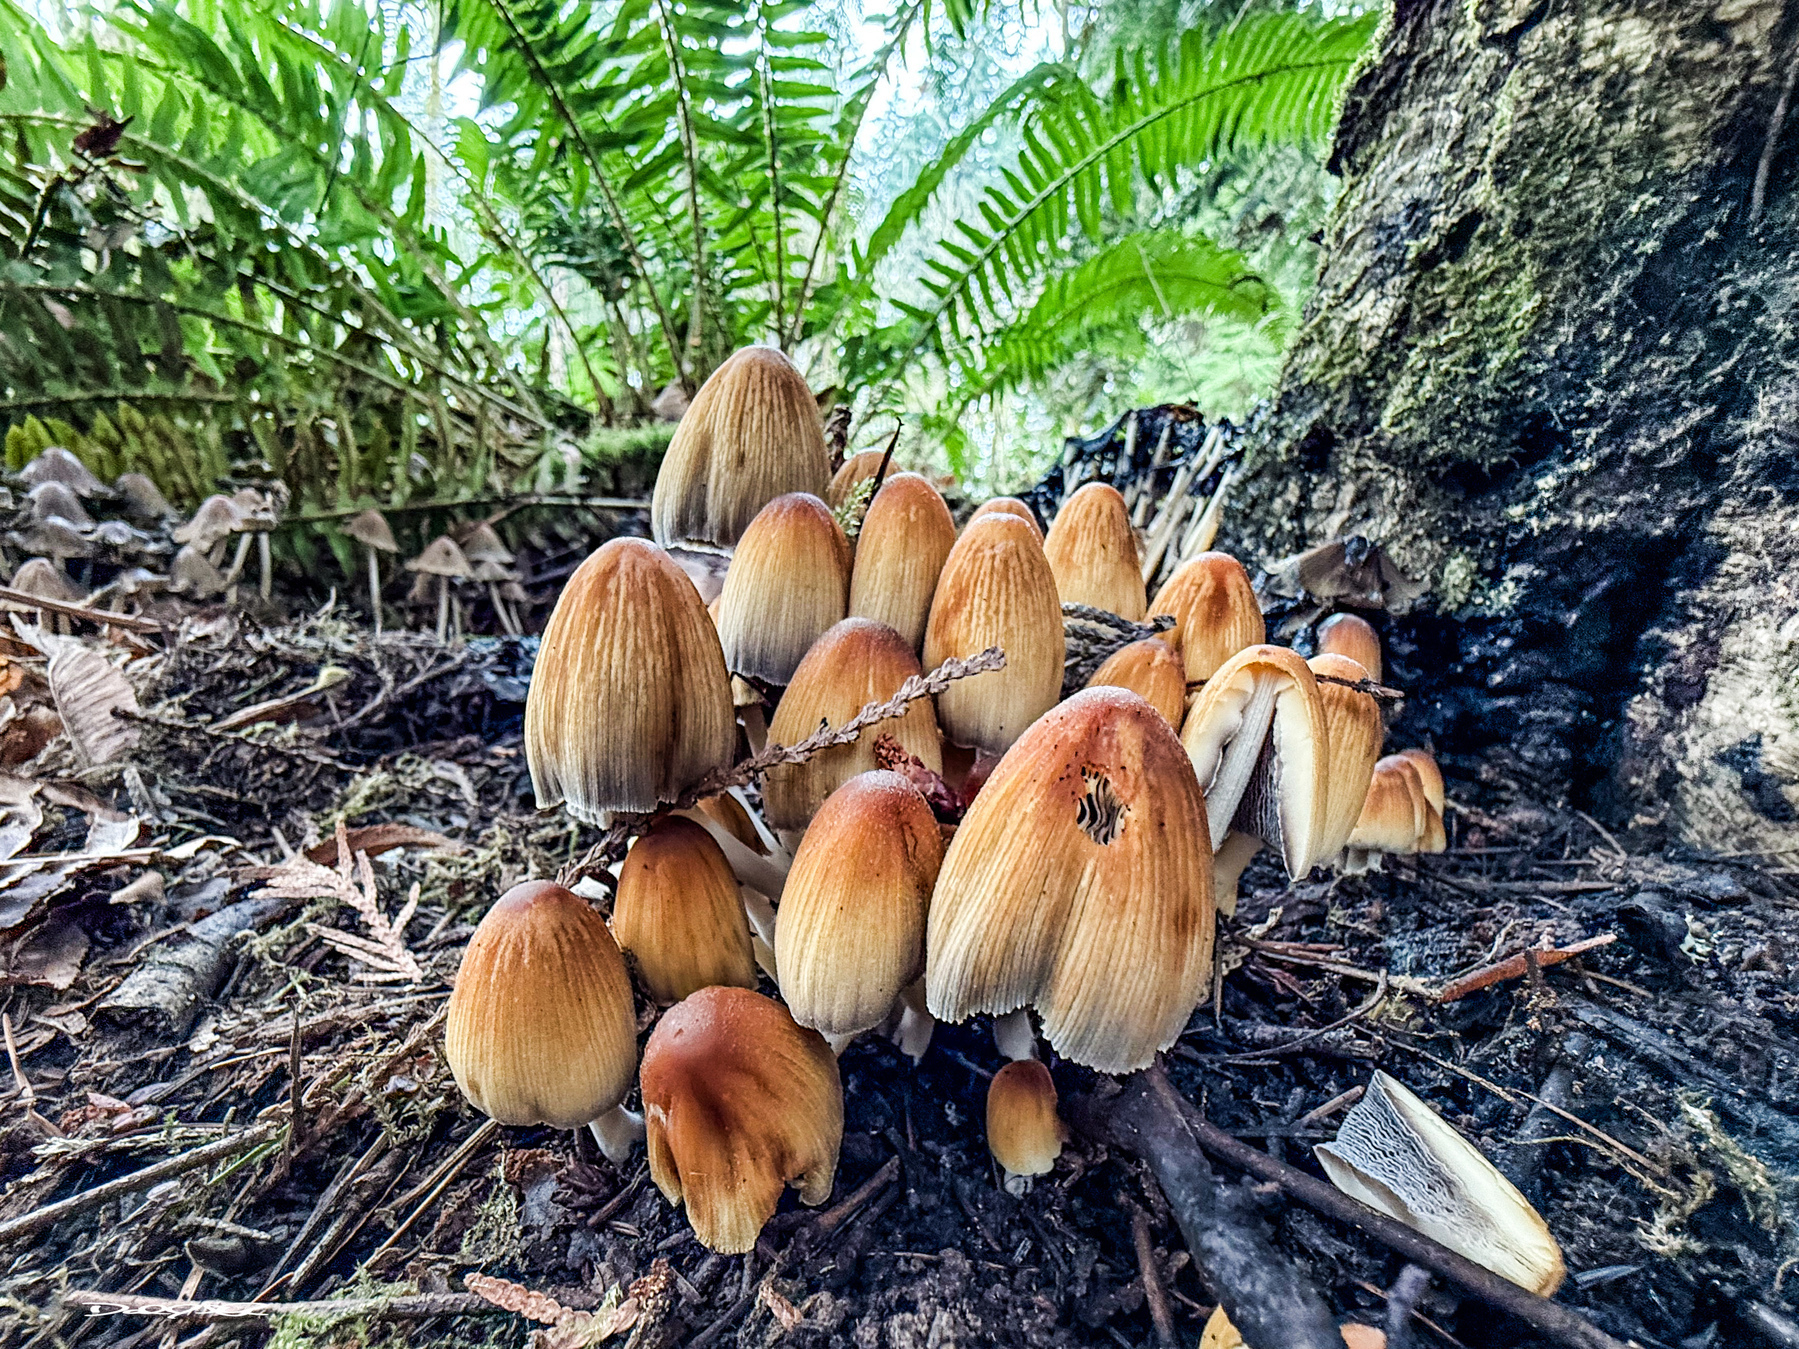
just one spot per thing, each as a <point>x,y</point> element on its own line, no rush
<point>490,563</point>
<point>258,514</point>
<point>439,567</point>
<point>1215,612</point>
<point>1353,636</point>
<point>370,529</point>
<point>217,519</point>
<point>906,537</point>
<point>1093,552</point>
<point>789,581</point>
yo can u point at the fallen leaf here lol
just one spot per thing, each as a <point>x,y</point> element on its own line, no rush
<point>88,690</point>
<point>781,1308</point>
<point>51,956</point>
<point>376,839</point>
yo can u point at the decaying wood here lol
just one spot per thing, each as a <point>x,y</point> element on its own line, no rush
<point>165,992</point>
<point>410,1308</point>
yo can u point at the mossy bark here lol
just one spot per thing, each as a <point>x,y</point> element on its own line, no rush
<point>1552,365</point>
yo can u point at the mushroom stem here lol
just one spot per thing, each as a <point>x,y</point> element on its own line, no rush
<point>265,562</point>
<point>767,874</point>
<point>1013,1036</point>
<point>237,559</point>
<point>375,589</point>
<point>1016,1185</point>
<point>839,1043</point>
<point>755,726</point>
<point>501,610</point>
<point>1228,866</point>
<point>913,1034</point>
<point>760,913</point>
<point>765,959</point>
<point>443,609</point>
<point>618,1132</point>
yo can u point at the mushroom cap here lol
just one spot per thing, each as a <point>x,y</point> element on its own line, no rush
<point>1008,506</point>
<point>1150,669</point>
<point>849,935</point>
<point>1093,552</point>
<point>441,558</point>
<point>856,663</point>
<point>1258,744</point>
<point>739,1101</point>
<point>1353,636</point>
<point>371,530</point>
<point>1395,814</point>
<point>260,511</point>
<point>484,544</point>
<point>492,573</point>
<point>1429,775</point>
<point>629,703</point>
<point>218,516</point>
<point>726,810</point>
<point>140,581</point>
<point>1024,1133</point>
<point>192,573</point>
<point>752,433</point>
<point>906,537</point>
<point>53,537</point>
<point>143,499</point>
<point>789,581</point>
<point>678,913</point>
<point>996,589</point>
<point>54,497</point>
<point>1215,611</point>
<point>1080,883</point>
<point>1353,730</point>
<point>541,1028</point>
<point>46,580</point>
<point>122,538</point>
<point>855,470</point>
<point>56,464</point>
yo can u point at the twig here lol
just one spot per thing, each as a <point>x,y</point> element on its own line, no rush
<point>1372,1001</point>
<point>414,1307</point>
<point>1153,1291</point>
<point>1372,687</point>
<point>427,1191</point>
<point>1514,967</point>
<point>27,1097</point>
<point>1758,195</point>
<point>104,617</point>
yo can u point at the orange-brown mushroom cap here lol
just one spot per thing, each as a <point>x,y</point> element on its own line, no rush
<point>1093,552</point>
<point>789,581</point>
<point>1153,671</point>
<point>679,915</point>
<point>1430,779</point>
<point>1395,812</point>
<point>1353,729</point>
<point>1353,636</point>
<point>1215,611</point>
<point>906,537</point>
<point>1024,1133</point>
<point>856,470</point>
<point>1008,506</point>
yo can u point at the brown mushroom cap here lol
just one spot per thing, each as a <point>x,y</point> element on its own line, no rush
<point>679,915</point>
<point>629,703</point>
<point>789,581</point>
<point>1353,730</point>
<point>1430,778</point>
<point>143,499</point>
<point>483,544</point>
<point>739,1101</point>
<point>192,573</point>
<point>1080,883</point>
<point>906,537</point>
<point>371,530</point>
<point>56,498</point>
<point>1093,552</point>
<point>1353,636</point>
<point>217,517</point>
<point>855,471</point>
<point>56,464</point>
<point>1008,506</point>
<point>1151,670</point>
<point>541,1028</point>
<point>1395,813</point>
<point>1215,611</point>
<point>752,434</point>
<point>1024,1133</point>
<point>46,580</point>
<point>441,558</point>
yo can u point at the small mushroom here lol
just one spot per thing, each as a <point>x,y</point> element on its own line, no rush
<point>54,538</point>
<point>1395,817</point>
<point>192,573</point>
<point>56,464</point>
<point>217,519</point>
<point>1152,670</point>
<point>854,471</point>
<point>1024,1133</point>
<point>1008,506</point>
<point>258,514</point>
<point>53,497</point>
<point>444,561</point>
<point>371,530</point>
<point>1093,553</point>
<point>1353,636</point>
<point>45,580</point>
<point>788,582</point>
<point>906,538</point>
<point>1430,778</point>
<point>491,563</point>
<point>678,915</point>
<point>143,499</point>
<point>1215,612</point>
<point>119,537</point>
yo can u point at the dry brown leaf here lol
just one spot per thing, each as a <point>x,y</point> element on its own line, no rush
<point>51,956</point>
<point>376,839</point>
<point>781,1308</point>
<point>384,951</point>
<point>88,690</point>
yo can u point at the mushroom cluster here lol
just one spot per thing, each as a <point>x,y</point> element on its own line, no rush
<point>996,850</point>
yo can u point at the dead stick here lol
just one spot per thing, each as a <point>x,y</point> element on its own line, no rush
<point>96,1303</point>
<point>1153,1291</point>
<point>1514,967</point>
<point>104,617</point>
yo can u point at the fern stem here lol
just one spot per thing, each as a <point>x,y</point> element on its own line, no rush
<point>766,80</point>
<point>677,70</point>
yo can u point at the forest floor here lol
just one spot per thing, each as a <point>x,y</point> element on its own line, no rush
<point>142,1033</point>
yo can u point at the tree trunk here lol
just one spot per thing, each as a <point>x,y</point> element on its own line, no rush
<point>1552,366</point>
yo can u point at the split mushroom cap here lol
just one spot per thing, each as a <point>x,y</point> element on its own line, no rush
<point>849,935</point>
<point>56,498</point>
<point>1024,1133</point>
<point>906,537</point>
<point>442,558</point>
<point>1257,741</point>
<point>371,530</point>
<point>46,580</point>
<point>996,589</point>
<point>630,703</point>
<point>1353,636</point>
<point>1093,552</point>
<point>1430,780</point>
<point>192,573</point>
<point>541,1028</point>
<point>217,517</point>
<point>1395,814</point>
<point>855,471</point>
<point>740,1101</point>
<point>483,544</point>
<point>1215,612</point>
<point>1080,883</point>
<point>1153,671</point>
<point>56,464</point>
<point>1008,506</point>
<point>789,581</point>
<point>143,499</point>
<point>678,914</point>
<point>752,434</point>
<point>856,663</point>
<point>1353,731</point>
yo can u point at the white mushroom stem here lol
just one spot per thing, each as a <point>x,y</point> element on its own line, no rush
<point>265,561</point>
<point>760,913</point>
<point>618,1132</point>
<point>767,874</point>
<point>443,608</point>
<point>755,727</point>
<point>765,959</point>
<point>375,590</point>
<point>238,558</point>
<point>501,610</point>
<point>916,1024</point>
<point>1228,865</point>
<point>839,1043</point>
<point>1013,1036</point>
<point>1016,1185</point>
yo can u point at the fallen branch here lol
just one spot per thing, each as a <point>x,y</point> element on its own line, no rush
<point>1516,967</point>
<point>414,1307</point>
<point>163,995</point>
<point>104,617</point>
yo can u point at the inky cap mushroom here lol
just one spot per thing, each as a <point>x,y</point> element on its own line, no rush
<point>1008,506</point>
<point>1353,636</point>
<point>1353,730</point>
<point>57,498</point>
<point>1151,670</point>
<point>1093,552</point>
<point>1215,612</point>
<point>1395,816</point>
<point>143,499</point>
<point>1430,778</point>
<point>56,464</point>
<point>906,536</point>
<point>856,470</point>
<point>1024,1133</point>
<point>678,914</point>
<point>789,581</point>
<point>37,576</point>
<point>217,519</point>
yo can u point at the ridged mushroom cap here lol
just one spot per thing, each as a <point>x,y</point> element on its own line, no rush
<point>192,573</point>
<point>1353,636</point>
<point>739,1102</point>
<point>1430,778</point>
<point>856,663</point>
<point>1395,813</point>
<point>143,498</point>
<point>217,517</point>
<point>629,703</point>
<point>56,464</point>
<point>849,935</point>
<point>752,433</point>
<point>371,530</point>
<point>541,1029</point>
<point>788,582</point>
<point>1093,552</point>
<point>906,537</point>
<point>46,580</point>
<point>57,498</point>
<point>1153,671</point>
<point>996,589</point>
<point>1007,506</point>
<point>1024,1133</point>
<point>1353,729</point>
<point>1257,741</point>
<point>855,470</point>
<point>1080,883</point>
<point>1215,611</point>
<point>441,558</point>
<point>678,913</point>
<point>484,544</point>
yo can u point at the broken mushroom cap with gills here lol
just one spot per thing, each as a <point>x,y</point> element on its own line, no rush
<point>1215,612</point>
<point>1394,819</point>
<point>752,434</point>
<point>788,582</point>
<point>1080,884</point>
<point>739,1101</point>
<point>1008,506</point>
<point>1353,733</point>
<point>1152,670</point>
<point>1024,1132</point>
<point>1093,553</point>
<point>996,590</point>
<point>859,661</point>
<point>1353,636</point>
<point>854,471</point>
<point>849,935</point>
<point>678,915</point>
<point>1430,778</point>
<point>629,703</point>
<point>906,537</point>
<point>541,1027</point>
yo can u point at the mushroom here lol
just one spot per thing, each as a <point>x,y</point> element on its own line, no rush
<point>849,936</point>
<point>906,536</point>
<point>1430,778</point>
<point>1215,612</point>
<point>997,590</point>
<point>677,913</point>
<point>1353,570</point>
<point>371,530</point>
<point>1008,506</point>
<point>192,573</point>
<point>541,1028</point>
<point>1151,670</point>
<point>45,580</point>
<point>133,582</point>
<point>629,703</point>
<point>121,538</point>
<point>490,561</point>
<point>1024,1133</point>
<point>1353,636</point>
<point>1093,553</point>
<point>1219,1333</point>
<point>444,561</point>
<point>54,538</point>
<point>143,499</point>
<point>856,663</point>
<point>56,464</point>
<point>1395,817</point>
<point>1353,731</point>
<point>258,514</point>
<point>216,520</point>
<point>53,497</point>
<point>789,581</point>
<point>740,1102</point>
<point>859,468</point>
<point>1080,884</point>
<point>752,433</point>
